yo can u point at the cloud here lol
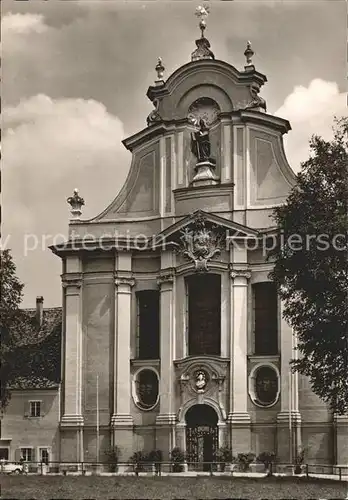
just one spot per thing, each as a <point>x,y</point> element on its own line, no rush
<point>22,24</point>
<point>49,147</point>
<point>310,110</point>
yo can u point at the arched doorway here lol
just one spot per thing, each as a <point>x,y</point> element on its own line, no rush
<point>201,435</point>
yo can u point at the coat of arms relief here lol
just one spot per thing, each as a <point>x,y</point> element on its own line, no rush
<point>200,242</point>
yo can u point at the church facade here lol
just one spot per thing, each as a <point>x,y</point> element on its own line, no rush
<point>173,333</point>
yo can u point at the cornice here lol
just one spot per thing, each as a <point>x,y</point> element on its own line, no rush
<point>71,280</point>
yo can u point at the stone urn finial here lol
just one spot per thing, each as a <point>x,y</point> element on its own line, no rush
<point>160,72</point>
<point>249,55</point>
<point>76,203</point>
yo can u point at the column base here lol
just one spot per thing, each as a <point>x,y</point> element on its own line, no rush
<point>239,417</point>
<point>122,434</point>
<point>165,434</point>
<point>121,420</point>
<point>71,421</point>
<point>240,432</point>
<point>166,419</point>
<point>288,441</point>
<point>341,429</point>
<point>71,443</point>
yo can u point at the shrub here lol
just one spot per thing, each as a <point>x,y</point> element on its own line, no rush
<point>267,458</point>
<point>177,458</point>
<point>244,460</point>
<point>299,459</point>
<point>138,459</point>
<point>113,455</point>
<point>224,454</point>
<point>155,456</point>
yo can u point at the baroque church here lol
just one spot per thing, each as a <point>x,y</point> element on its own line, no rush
<point>172,331</point>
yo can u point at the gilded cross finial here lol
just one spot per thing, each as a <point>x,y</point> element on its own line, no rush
<point>202,13</point>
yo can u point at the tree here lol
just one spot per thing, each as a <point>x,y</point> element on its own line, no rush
<point>10,320</point>
<point>27,357</point>
<point>311,266</point>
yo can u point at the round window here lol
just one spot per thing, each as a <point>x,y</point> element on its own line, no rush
<point>146,389</point>
<point>265,388</point>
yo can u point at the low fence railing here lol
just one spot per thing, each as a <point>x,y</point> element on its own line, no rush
<point>159,468</point>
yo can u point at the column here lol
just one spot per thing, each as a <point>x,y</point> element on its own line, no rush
<point>225,317</point>
<point>239,417</point>
<point>288,432</point>
<point>71,422</point>
<point>165,421</point>
<point>122,421</point>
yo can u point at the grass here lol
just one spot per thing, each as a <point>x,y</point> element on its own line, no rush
<point>98,488</point>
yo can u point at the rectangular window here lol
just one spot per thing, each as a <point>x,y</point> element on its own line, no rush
<point>35,408</point>
<point>148,324</point>
<point>204,311</point>
<point>3,453</point>
<point>27,454</point>
<point>265,318</point>
<point>44,456</point>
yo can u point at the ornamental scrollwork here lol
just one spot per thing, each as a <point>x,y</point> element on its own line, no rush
<point>154,116</point>
<point>200,242</point>
<point>165,278</point>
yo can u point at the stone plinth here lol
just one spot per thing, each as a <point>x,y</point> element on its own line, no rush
<point>205,175</point>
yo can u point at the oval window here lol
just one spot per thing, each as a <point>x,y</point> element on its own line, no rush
<point>146,389</point>
<point>266,386</point>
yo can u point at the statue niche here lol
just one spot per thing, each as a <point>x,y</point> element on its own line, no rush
<point>202,114</point>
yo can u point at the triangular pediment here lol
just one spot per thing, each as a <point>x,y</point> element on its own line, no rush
<point>235,230</point>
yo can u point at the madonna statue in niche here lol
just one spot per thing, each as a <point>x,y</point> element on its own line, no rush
<point>200,142</point>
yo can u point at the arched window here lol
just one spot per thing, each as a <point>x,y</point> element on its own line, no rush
<point>204,314</point>
<point>145,389</point>
<point>264,385</point>
<point>148,328</point>
<point>265,318</point>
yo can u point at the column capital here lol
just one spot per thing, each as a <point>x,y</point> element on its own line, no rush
<point>243,274</point>
<point>166,276</point>
<point>71,280</point>
<point>124,280</point>
<point>285,415</point>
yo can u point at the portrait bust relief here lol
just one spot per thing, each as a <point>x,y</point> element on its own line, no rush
<point>200,380</point>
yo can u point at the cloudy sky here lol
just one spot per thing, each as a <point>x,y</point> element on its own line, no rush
<point>75,75</point>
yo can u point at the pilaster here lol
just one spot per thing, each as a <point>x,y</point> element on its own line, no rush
<point>121,420</point>
<point>289,418</point>
<point>165,421</point>
<point>239,418</point>
<point>71,422</point>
